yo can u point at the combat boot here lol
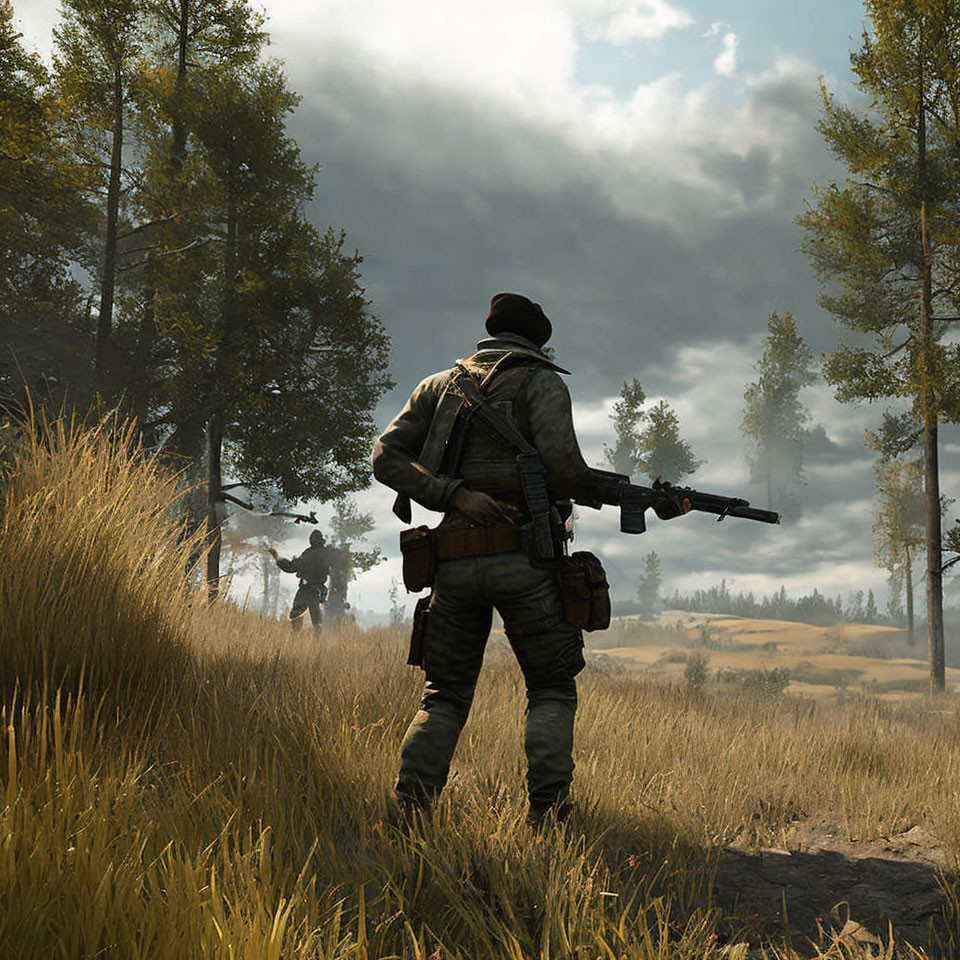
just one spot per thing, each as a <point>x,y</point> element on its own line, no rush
<point>540,815</point>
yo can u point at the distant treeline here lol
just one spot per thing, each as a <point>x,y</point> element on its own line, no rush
<point>815,608</point>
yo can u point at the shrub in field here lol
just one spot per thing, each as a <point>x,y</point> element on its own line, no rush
<point>696,671</point>
<point>766,683</point>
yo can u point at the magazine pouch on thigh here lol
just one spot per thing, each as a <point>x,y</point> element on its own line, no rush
<point>417,634</point>
<point>585,591</point>
<point>418,548</point>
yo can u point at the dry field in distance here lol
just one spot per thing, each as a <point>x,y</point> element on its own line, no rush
<point>844,658</point>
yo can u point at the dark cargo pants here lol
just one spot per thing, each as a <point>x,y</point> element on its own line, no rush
<point>309,596</point>
<point>550,654</point>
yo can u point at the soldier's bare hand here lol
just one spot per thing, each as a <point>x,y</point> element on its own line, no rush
<point>480,507</point>
<point>272,552</point>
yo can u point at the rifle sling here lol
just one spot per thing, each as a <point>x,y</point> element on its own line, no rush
<point>532,473</point>
<point>467,385</point>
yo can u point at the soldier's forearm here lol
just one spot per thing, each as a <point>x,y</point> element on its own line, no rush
<point>395,469</point>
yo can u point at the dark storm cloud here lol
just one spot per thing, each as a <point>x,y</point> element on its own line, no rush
<point>451,202</point>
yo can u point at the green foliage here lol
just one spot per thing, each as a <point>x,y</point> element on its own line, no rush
<point>628,416</point>
<point>648,589</point>
<point>863,238</point>
<point>42,218</point>
<point>648,440</point>
<point>815,608</point>
<point>349,527</point>
<point>216,313</point>
<point>398,611</point>
<point>898,526</point>
<point>661,453</point>
<point>773,416</point>
<point>697,670</point>
<point>886,245</point>
<point>763,683</point>
<point>951,544</point>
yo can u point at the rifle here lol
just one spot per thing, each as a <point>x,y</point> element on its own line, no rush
<point>666,499</point>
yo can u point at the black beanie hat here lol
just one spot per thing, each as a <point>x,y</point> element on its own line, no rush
<point>515,313</point>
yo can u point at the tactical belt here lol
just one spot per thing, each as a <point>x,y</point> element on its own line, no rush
<point>476,540</point>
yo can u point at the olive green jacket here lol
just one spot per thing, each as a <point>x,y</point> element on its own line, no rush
<point>412,455</point>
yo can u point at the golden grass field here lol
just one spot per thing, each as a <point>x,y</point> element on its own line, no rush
<point>824,662</point>
<point>181,781</point>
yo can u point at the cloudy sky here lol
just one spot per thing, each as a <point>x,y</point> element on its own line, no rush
<point>633,165</point>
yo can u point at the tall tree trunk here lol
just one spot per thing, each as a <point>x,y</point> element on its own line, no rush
<point>178,147</point>
<point>266,561</point>
<point>108,277</point>
<point>908,580</point>
<point>215,423</point>
<point>931,467</point>
<point>146,339</point>
<point>214,503</point>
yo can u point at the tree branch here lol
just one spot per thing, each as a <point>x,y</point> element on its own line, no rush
<point>896,350</point>
<point>147,226</point>
<point>166,253</point>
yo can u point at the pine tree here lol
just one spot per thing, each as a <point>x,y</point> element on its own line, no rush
<point>282,329</point>
<point>870,612</point>
<point>191,43</point>
<point>898,525</point>
<point>661,453</point>
<point>42,223</point>
<point>773,416</point>
<point>398,610</point>
<point>98,45</point>
<point>648,590</point>
<point>886,244</point>
<point>628,416</point>
<point>349,528</point>
<point>648,440</point>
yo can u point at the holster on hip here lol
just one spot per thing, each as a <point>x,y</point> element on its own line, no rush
<point>419,551</point>
<point>584,591</point>
<point>420,614</point>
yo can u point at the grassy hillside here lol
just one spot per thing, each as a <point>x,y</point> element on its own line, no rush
<point>181,781</point>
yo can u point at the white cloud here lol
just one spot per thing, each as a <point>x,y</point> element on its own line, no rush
<point>713,30</point>
<point>726,63</point>
<point>499,48</point>
<point>623,21</point>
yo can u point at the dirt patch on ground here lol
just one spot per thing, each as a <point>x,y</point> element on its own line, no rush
<point>823,887</point>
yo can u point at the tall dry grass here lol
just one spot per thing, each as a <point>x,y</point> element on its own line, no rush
<point>184,781</point>
<point>91,575</point>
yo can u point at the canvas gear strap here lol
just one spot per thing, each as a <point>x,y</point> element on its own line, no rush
<point>533,476</point>
<point>454,433</point>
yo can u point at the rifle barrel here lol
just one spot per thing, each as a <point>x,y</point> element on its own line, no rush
<point>739,509</point>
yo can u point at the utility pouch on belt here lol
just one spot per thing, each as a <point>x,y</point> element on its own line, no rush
<point>419,551</point>
<point>420,614</point>
<point>585,592</point>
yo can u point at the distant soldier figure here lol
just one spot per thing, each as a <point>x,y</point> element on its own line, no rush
<point>313,568</point>
<point>435,453</point>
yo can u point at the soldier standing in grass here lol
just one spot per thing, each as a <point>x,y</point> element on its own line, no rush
<point>436,453</point>
<point>313,568</point>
